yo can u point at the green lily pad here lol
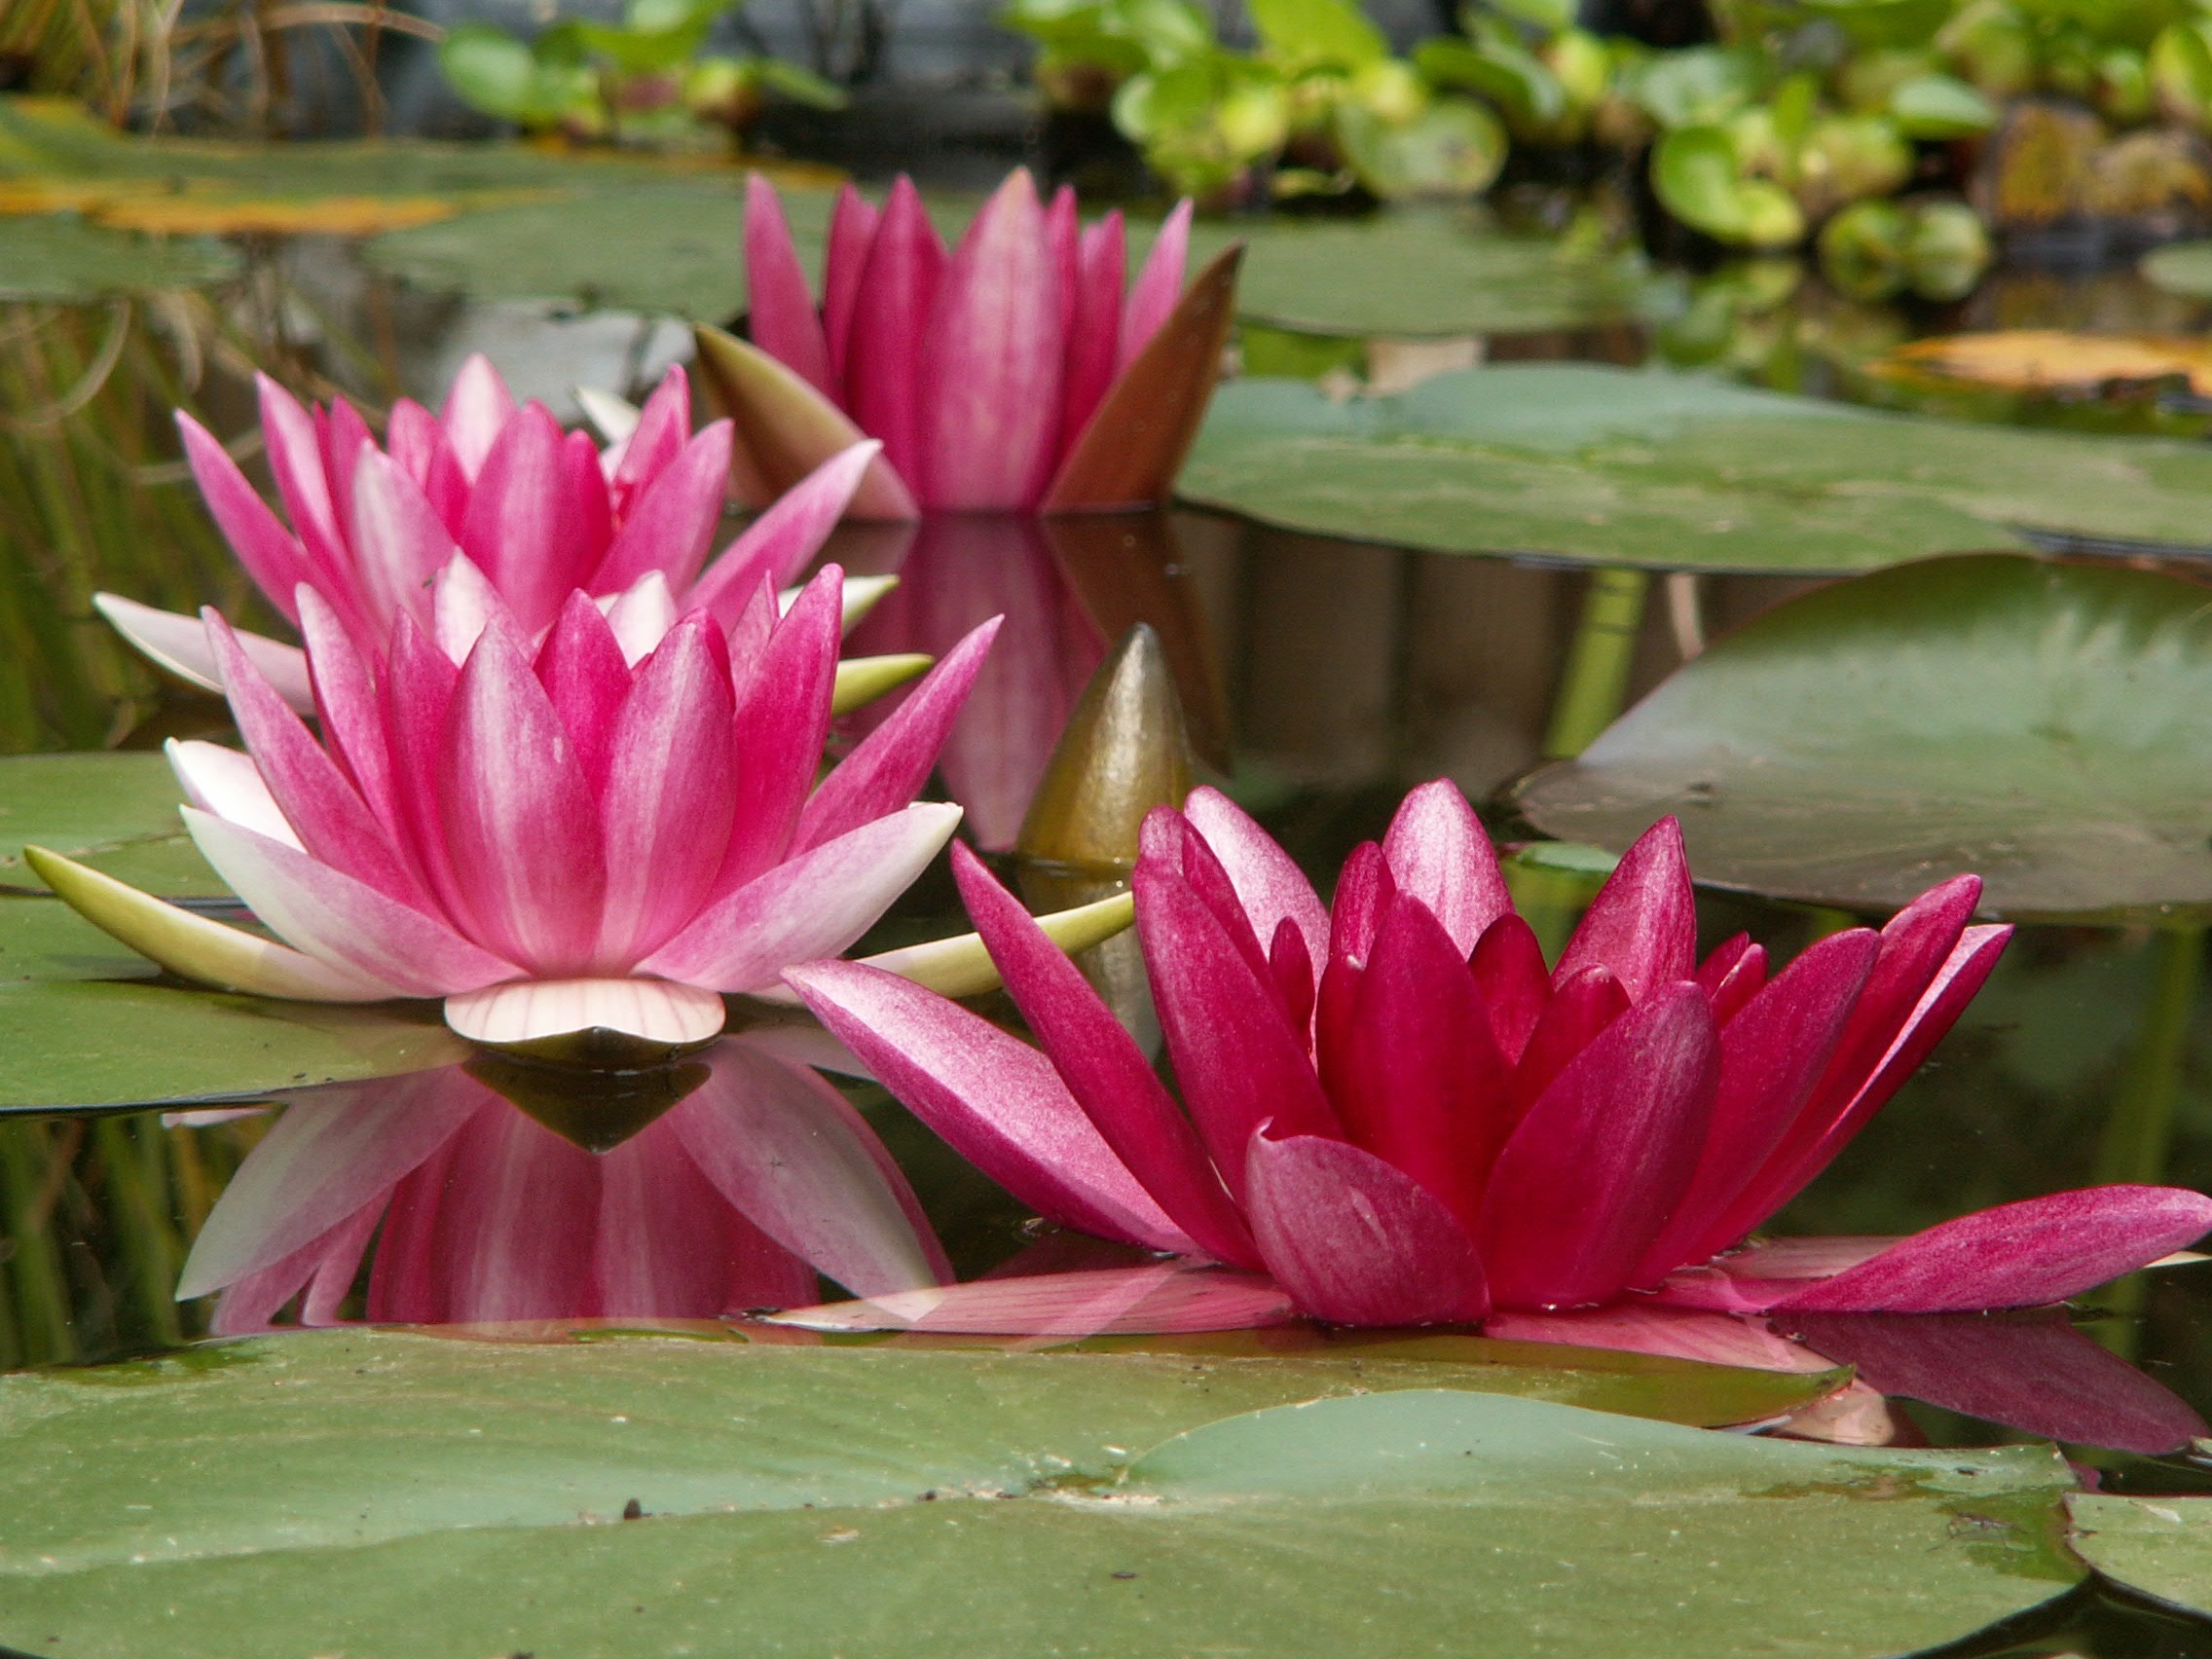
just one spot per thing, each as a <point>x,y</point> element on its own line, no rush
<point>1588,464</point>
<point>114,812</point>
<point>2162,1546</point>
<point>894,1503</point>
<point>66,259</point>
<point>2180,268</point>
<point>1413,273</point>
<point>2045,724</point>
<point>85,1024</point>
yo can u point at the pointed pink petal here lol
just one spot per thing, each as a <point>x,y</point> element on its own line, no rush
<point>345,438</point>
<point>1269,883</point>
<point>399,542</point>
<point>295,460</point>
<point>586,674</point>
<point>1585,1005</point>
<point>1771,1055</point>
<point>1643,925</point>
<point>351,716</point>
<point>1592,1170</point>
<point>891,764</point>
<point>810,907</point>
<point>781,317</point>
<point>330,916</point>
<point>1424,1087</point>
<point>655,441</point>
<point>1238,1060</point>
<point>1095,326</point>
<point>478,407</point>
<point>775,547</point>
<point>672,524</point>
<point>641,616</point>
<point>851,229</point>
<point>1355,1241</point>
<point>1439,853</point>
<point>2035,1373</point>
<point>995,1099</point>
<point>320,805</point>
<point>1103,1068</point>
<point>418,445</point>
<point>898,293</point>
<point>518,531</point>
<point>1158,285</point>
<point>785,1148</point>
<point>783,718</point>
<point>415,692</point>
<point>179,644</point>
<point>1155,1298</point>
<point>1508,968</point>
<point>987,394</point>
<point>228,785</point>
<point>2018,1255</point>
<point>1365,888</point>
<point>1677,1333</point>
<point>521,828</point>
<point>270,553</point>
<point>463,604</point>
<point>670,793</point>
<point>1168,843</point>
<point>1739,984</point>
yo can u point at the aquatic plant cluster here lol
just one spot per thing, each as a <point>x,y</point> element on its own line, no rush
<point>546,758</point>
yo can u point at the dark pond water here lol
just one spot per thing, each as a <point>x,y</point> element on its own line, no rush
<point>1325,677</point>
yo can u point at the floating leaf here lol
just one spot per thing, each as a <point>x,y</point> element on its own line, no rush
<point>2162,1546</point>
<point>117,813</point>
<point>2180,268</point>
<point>66,259</point>
<point>1570,460</point>
<point>894,1503</point>
<point>84,1023</point>
<point>2046,724</point>
<point>2048,360</point>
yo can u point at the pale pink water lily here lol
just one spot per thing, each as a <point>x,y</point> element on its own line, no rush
<point>1009,375</point>
<point>1397,1111</point>
<point>486,497</point>
<point>735,1197</point>
<point>552,839</point>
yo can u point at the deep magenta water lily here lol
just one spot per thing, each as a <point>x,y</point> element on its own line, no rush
<point>1395,1110</point>
<point>585,832</point>
<point>1009,375</point>
<point>485,496</point>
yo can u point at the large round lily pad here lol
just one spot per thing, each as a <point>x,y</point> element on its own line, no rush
<point>890,1501</point>
<point>117,813</point>
<point>66,259</point>
<point>1588,464</point>
<point>2046,723</point>
<point>2162,1546</point>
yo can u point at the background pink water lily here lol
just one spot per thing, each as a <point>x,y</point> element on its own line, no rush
<point>1395,1109</point>
<point>485,496</point>
<point>1009,375</point>
<point>557,837</point>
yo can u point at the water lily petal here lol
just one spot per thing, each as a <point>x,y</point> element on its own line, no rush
<point>228,784</point>
<point>522,1012</point>
<point>852,232</point>
<point>1586,1004</point>
<point>776,547</point>
<point>349,711</point>
<point>1439,854</point>
<point>179,644</point>
<point>295,460</point>
<point>1159,284</point>
<point>783,707</point>
<point>401,543</point>
<point>785,429</point>
<point>1508,968</point>
<point>518,531</point>
<point>961,967</point>
<point>271,554</point>
<point>1095,325</point>
<point>1643,925</point>
<point>1153,1298</point>
<point>1356,1240</point>
<point>812,906</point>
<point>781,314</point>
<point>672,524</point>
<point>656,437</point>
<point>477,408</point>
<point>1269,883</point>
<point>995,1099</point>
<point>898,291</point>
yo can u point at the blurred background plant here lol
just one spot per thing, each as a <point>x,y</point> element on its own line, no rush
<point>643,80</point>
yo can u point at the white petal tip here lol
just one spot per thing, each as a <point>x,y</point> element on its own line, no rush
<point>609,1023</point>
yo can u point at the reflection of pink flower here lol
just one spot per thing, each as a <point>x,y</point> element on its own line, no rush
<point>610,830</point>
<point>1397,1110</point>
<point>1009,376</point>
<point>483,495</point>
<point>733,1198</point>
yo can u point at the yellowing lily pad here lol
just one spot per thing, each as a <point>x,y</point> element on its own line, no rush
<point>2049,361</point>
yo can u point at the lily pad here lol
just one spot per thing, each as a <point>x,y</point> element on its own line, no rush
<point>2045,724</point>
<point>894,1503</point>
<point>2162,1546</point>
<point>1414,272</point>
<point>66,259</point>
<point>117,813</point>
<point>1586,464</point>
<point>85,1024</point>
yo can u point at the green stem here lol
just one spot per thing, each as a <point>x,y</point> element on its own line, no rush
<point>1595,684</point>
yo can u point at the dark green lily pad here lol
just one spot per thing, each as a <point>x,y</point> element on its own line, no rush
<point>2162,1546</point>
<point>85,1023</point>
<point>1588,464</point>
<point>1413,273</point>
<point>2045,724</point>
<point>2180,268</point>
<point>114,812</point>
<point>893,1502</point>
<point>66,259</point>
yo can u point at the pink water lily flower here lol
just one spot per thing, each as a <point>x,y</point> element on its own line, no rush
<point>484,496</point>
<point>554,838</point>
<point>1011,375</point>
<point>1399,1113</point>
